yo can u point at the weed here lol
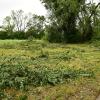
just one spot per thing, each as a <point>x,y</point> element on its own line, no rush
<point>23,97</point>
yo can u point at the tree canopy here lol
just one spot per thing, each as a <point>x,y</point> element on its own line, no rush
<point>67,14</point>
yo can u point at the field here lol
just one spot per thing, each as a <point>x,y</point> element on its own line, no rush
<point>38,70</point>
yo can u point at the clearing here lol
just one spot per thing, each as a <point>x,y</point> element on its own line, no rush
<point>81,62</point>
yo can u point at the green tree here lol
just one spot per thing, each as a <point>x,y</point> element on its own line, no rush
<point>64,14</point>
<point>15,25</point>
<point>36,25</point>
<point>72,17</point>
<point>88,16</point>
<point>19,20</point>
<point>8,25</point>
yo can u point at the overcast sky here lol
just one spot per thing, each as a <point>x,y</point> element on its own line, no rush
<point>33,6</point>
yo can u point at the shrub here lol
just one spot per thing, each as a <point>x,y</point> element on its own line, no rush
<point>12,35</point>
<point>67,56</point>
<point>18,35</point>
<point>35,33</point>
<point>3,35</point>
<point>2,95</point>
<point>54,35</point>
<point>19,76</point>
<point>23,97</point>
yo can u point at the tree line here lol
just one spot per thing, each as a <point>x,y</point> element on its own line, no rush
<point>19,25</point>
<point>73,20</point>
<point>67,21</point>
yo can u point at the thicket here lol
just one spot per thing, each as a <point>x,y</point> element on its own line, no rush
<point>75,20</point>
<point>21,35</point>
<point>67,21</point>
<point>18,25</point>
<point>19,76</point>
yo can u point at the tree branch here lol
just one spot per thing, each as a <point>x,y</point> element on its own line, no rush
<point>94,10</point>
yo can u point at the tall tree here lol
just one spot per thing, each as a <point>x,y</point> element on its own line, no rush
<point>36,25</point>
<point>8,25</point>
<point>64,12</point>
<point>19,19</point>
<point>88,15</point>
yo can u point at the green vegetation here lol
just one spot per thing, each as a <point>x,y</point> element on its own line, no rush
<point>42,64</point>
<point>68,21</point>
<point>72,20</point>
<point>18,25</point>
<point>31,70</point>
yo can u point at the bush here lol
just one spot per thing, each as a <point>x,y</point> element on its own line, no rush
<point>65,55</point>
<point>35,33</point>
<point>54,35</point>
<point>23,97</point>
<point>18,76</point>
<point>12,35</point>
<point>18,35</point>
<point>3,35</point>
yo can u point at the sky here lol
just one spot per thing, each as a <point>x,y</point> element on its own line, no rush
<point>33,6</point>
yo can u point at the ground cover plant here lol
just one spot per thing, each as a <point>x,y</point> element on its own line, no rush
<point>32,70</point>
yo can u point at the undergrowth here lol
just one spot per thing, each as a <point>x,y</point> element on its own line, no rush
<point>20,77</point>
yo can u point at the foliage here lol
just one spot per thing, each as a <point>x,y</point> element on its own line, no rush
<point>36,26</point>
<point>13,35</point>
<point>3,35</point>
<point>23,97</point>
<point>2,94</point>
<point>18,35</point>
<point>66,56</point>
<point>73,18</point>
<point>53,34</point>
<point>67,21</point>
<point>19,25</point>
<point>88,16</point>
<point>63,14</point>
<point>43,54</point>
<point>19,76</point>
<point>67,69</point>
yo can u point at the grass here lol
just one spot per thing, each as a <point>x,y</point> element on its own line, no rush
<point>82,60</point>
